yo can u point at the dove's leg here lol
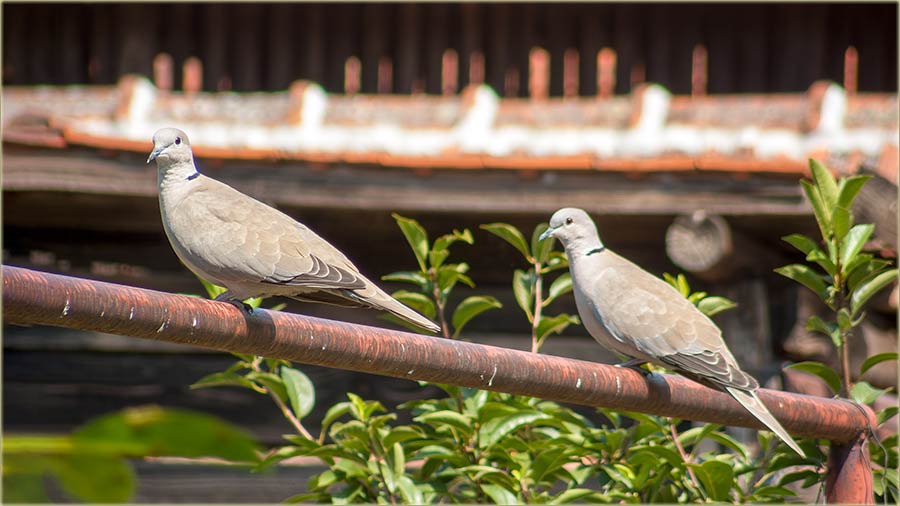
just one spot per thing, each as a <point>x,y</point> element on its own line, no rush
<point>635,364</point>
<point>228,297</point>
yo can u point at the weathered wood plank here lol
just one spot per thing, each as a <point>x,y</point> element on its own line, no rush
<point>445,191</point>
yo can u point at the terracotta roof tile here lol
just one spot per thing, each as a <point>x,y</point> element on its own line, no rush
<point>650,130</point>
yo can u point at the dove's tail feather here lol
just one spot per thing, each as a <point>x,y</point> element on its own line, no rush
<point>403,312</point>
<point>378,299</point>
<point>754,405</point>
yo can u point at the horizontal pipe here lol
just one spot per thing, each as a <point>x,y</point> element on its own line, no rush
<point>37,298</point>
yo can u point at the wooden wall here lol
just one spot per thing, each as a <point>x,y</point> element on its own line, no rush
<point>750,47</point>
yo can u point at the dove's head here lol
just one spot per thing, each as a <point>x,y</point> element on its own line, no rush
<point>574,229</point>
<point>170,146</point>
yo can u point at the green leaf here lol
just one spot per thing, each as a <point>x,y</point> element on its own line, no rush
<point>864,393</point>
<point>497,428</point>
<point>334,412</point>
<point>351,469</point>
<point>523,289</point>
<point>417,301</point>
<point>869,288</point>
<point>886,414</point>
<point>825,182</point>
<point>831,378</point>
<point>848,188</point>
<point>678,282</point>
<point>21,488</point>
<point>801,242</point>
<point>555,261</point>
<point>854,241</point>
<point>154,431</point>
<point>560,286</point>
<point>575,494</point>
<point>773,491</point>
<point>300,391</point>
<point>818,256</point>
<point>717,478</point>
<point>804,275</point>
<point>217,379</point>
<point>877,359</point>
<point>416,278</point>
<point>270,381</point>
<point>436,257</point>
<point>548,463</point>
<point>807,475</point>
<point>511,235</point>
<point>212,290</point>
<point>865,270</point>
<point>844,321</point>
<point>714,305</point>
<point>401,434</point>
<point>443,242</point>
<point>554,325</point>
<point>398,460</point>
<point>446,417</point>
<point>415,236</point>
<point>541,249</point>
<point>843,220</point>
<point>409,492</point>
<point>500,495</point>
<point>726,440</point>
<point>449,275</point>
<point>816,324</point>
<point>96,479</point>
<point>471,307</point>
<point>820,210</point>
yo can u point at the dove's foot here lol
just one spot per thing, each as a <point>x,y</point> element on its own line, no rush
<point>227,297</point>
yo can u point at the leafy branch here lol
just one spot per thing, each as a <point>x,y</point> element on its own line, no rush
<point>436,279</point>
<point>528,285</point>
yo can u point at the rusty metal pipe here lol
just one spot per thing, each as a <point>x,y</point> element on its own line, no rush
<point>31,297</point>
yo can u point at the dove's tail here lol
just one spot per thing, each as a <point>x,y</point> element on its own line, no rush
<point>403,312</point>
<point>374,297</point>
<point>751,401</point>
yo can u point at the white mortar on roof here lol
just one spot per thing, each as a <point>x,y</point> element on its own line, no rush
<point>474,129</point>
<point>143,96</point>
<point>833,110</point>
<point>315,103</point>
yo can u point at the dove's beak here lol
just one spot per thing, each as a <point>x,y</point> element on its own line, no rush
<point>154,154</point>
<point>547,233</point>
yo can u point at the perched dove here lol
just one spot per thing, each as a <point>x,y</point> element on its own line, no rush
<point>647,319</point>
<point>251,249</point>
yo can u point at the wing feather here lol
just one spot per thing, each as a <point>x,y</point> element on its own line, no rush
<point>653,317</point>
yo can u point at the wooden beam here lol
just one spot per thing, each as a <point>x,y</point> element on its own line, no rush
<point>445,191</point>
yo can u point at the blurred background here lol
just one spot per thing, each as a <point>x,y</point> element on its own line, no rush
<point>682,128</point>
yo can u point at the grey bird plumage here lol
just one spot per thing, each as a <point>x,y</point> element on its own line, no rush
<point>253,250</point>
<point>648,320</point>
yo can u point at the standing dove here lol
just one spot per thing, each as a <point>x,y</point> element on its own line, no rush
<point>647,319</point>
<point>253,250</point>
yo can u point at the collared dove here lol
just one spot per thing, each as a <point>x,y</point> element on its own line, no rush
<point>648,320</point>
<point>251,249</point>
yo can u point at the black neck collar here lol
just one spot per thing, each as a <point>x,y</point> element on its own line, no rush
<point>193,176</point>
<point>598,249</point>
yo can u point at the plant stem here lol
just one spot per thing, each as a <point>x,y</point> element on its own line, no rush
<point>436,294</point>
<point>684,455</point>
<point>379,459</point>
<point>538,304</point>
<point>845,364</point>
<point>286,411</point>
<point>843,349</point>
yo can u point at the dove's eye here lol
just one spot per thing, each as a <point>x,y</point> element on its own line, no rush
<point>569,221</point>
<point>177,140</point>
